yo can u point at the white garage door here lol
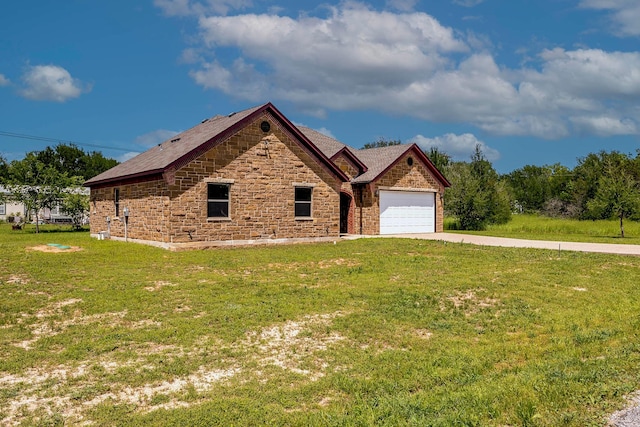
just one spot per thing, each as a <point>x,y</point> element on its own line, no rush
<point>404,212</point>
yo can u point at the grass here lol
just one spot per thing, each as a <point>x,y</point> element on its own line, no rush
<point>366,332</point>
<point>537,227</point>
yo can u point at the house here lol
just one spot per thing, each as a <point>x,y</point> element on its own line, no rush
<point>16,211</point>
<point>254,177</point>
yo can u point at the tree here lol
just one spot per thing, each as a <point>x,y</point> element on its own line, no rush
<point>74,161</point>
<point>464,199</point>
<point>530,186</point>
<point>440,159</point>
<point>36,185</point>
<point>4,169</point>
<point>76,205</point>
<point>381,142</point>
<point>477,197</point>
<point>586,177</point>
<point>617,195</point>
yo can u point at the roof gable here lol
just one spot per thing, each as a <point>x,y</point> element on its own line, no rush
<point>176,152</point>
<point>380,160</point>
<point>333,148</point>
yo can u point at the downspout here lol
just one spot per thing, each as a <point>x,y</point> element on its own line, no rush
<point>361,205</point>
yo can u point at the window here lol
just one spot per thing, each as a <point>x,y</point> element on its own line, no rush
<point>303,202</point>
<point>218,200</point>
<point>3,209</point>
<point>116,200</point>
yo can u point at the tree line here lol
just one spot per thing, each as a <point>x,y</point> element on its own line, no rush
<point>603,185</point>
<point>52,177</point>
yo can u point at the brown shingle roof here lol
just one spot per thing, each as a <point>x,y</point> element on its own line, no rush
<point>186,146</point>
<point>329,146</point>
<point>160,157</point>
<point>379,160</point>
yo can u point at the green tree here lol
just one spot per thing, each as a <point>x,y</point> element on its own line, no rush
<point>617,195</point>
<point>440,159</point>
<point>530,186</point>
<point>4,169</point>
<point>36,185</point>
<point>586,178</point>
<point>76,205</point>
<point>477,197</point>
<point>382,142</point>
<point>74,161</point>
<point>464,199</point>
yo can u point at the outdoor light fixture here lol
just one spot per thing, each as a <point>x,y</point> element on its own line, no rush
<point>126,221</point>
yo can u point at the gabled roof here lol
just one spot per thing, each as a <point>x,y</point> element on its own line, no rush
<point>380,160</point>
<point>331,147</point>
<point>190,144</point>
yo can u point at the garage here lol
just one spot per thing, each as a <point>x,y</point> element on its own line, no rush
<point>403,212</point>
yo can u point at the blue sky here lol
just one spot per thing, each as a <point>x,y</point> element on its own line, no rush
<point>532,81</point>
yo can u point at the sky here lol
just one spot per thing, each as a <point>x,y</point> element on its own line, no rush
<point>533,82</point>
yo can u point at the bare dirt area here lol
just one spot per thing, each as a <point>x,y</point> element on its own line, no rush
<point>54,249</point>
<point>73,389</point>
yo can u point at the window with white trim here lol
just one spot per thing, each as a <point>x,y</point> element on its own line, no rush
<point>218,200</point>
<point>302,206</point>
<point>3,209</point>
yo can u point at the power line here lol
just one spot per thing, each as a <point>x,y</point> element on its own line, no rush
<point>61,141</point>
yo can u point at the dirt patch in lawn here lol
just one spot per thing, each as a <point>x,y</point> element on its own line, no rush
<point>54,249</point>
<point>73,389</point>
<point>470,302</point>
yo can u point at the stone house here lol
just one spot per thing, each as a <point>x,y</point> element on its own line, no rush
<point>254,177</point>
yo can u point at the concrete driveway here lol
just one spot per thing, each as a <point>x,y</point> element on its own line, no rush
<point>608,248</point>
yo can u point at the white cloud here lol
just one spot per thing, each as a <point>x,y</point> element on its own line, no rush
<point>402,5</point>
<point>468,3</point>
<point>459,147</point>
<point>625,14</point>
<point>357,58</point>
<point>127,156</point>
<point>51,83</point>
<point>337,62</point>
<point>605,126</point>
<point>155,137</point>
<point>4,81</point>
<point>189,7</point>
<point>326,132</point>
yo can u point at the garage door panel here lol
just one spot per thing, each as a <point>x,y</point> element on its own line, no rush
<point>404,212</point>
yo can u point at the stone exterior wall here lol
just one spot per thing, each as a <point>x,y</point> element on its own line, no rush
<point>401,176</point>
<point>346,166</point>
<point>261,178</point>
<point>148,206</point>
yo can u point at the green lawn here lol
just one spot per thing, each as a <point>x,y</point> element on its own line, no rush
<point>366,332</point>
<point>569,230</point>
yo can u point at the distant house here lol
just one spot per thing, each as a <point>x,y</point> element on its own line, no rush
<point>252,176</point>
<point>18,211</point>
<point>8,209</point>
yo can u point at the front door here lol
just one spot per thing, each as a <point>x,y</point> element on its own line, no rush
<point>345,206</point>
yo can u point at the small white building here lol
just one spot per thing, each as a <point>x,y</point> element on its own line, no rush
<point>11,211</point>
